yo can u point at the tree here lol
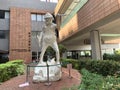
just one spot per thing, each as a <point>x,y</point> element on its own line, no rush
<point>51,52</point>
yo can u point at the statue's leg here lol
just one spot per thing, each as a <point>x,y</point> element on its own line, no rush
<point>44,47</point>
<point>55,47</point>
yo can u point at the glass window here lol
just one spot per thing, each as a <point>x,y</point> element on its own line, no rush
<point>2,34</point>
<point>43,0</point>
<point>33,17</point>
<point>43,17</point>
<point>54,1</point>
<point>7,14</point>
<point>39,17</point>
<point>2,14</point>
<point>82,53</point>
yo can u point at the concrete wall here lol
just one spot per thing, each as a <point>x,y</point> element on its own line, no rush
<point>21,25</point>
<point>4,24</point>
<point>37,26</point>
<point>35,45</point>
<point>31,4</point>
<point>88,47</point>
<point>106,48</point>
<point>4,44</point>
<point>93,14</point>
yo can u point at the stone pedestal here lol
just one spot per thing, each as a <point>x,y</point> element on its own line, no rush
<point>41,73</point>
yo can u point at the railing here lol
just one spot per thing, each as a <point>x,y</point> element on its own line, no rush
<point>48,83</point>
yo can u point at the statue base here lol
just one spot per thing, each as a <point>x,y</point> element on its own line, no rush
<point>47,71</point>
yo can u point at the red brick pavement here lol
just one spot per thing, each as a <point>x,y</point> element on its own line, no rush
<point>13,84</point>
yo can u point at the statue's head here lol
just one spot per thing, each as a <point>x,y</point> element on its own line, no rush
<point>48,18</point>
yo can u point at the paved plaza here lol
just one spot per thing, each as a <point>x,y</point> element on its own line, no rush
<point>13,84</point>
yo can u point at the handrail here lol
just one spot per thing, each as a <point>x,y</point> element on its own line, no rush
<point>42,65</point>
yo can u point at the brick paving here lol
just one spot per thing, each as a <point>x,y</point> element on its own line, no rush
<point>13,84</point>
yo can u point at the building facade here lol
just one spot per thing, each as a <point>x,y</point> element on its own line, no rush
<point>86,27</point>
<point>89,25</point>
<point>18,20</point>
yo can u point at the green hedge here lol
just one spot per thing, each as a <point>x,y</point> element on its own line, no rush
<point>11,69</point>
<point>102,67</point>
<point>115,57</point>
<point>92,81</point>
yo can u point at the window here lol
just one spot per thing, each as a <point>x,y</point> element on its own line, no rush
<point>2,34</point>
<point>54,1</point>
<point>35,56</point>
<point>4,14</point>
<point>33,17</point>
<point>37,17</point>
<point>43,17</point>
<point>7,14</point>
<point>43,0</point>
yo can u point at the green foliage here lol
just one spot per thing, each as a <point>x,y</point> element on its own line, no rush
<point>92,81</point>
<point>74,87</point>
<point>62,48</point>
<point>103,67</point>
<point>114,57</point>
<point>96,74</point>
<point>51,52</point>
<point>11,69</point>
<point>16,62</point>
<point>75,63</point>
<point>117,52</point>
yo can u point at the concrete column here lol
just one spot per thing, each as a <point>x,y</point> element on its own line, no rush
<point>96,45</point>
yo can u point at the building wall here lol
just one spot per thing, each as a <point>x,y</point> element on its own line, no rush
<point>4,24</point>
<point>4,44</point>
<point>92,12</point>
<point>59,5</point>
<point>113,41</point>
<point>88,47</point>
<point>36,26</point>
<point>20,26</point>
<point>20,32</point>
<point>32,4</point>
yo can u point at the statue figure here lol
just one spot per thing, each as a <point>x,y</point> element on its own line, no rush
<point>49,37</point>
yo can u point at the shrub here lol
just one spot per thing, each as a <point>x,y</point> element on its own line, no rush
<point>92,81</point>
<point>74,87</point>
<point>102,67</point>
<point>75,63</point>
<point>115,57</point>
<point>11,69</point>
<point>16,62</point>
